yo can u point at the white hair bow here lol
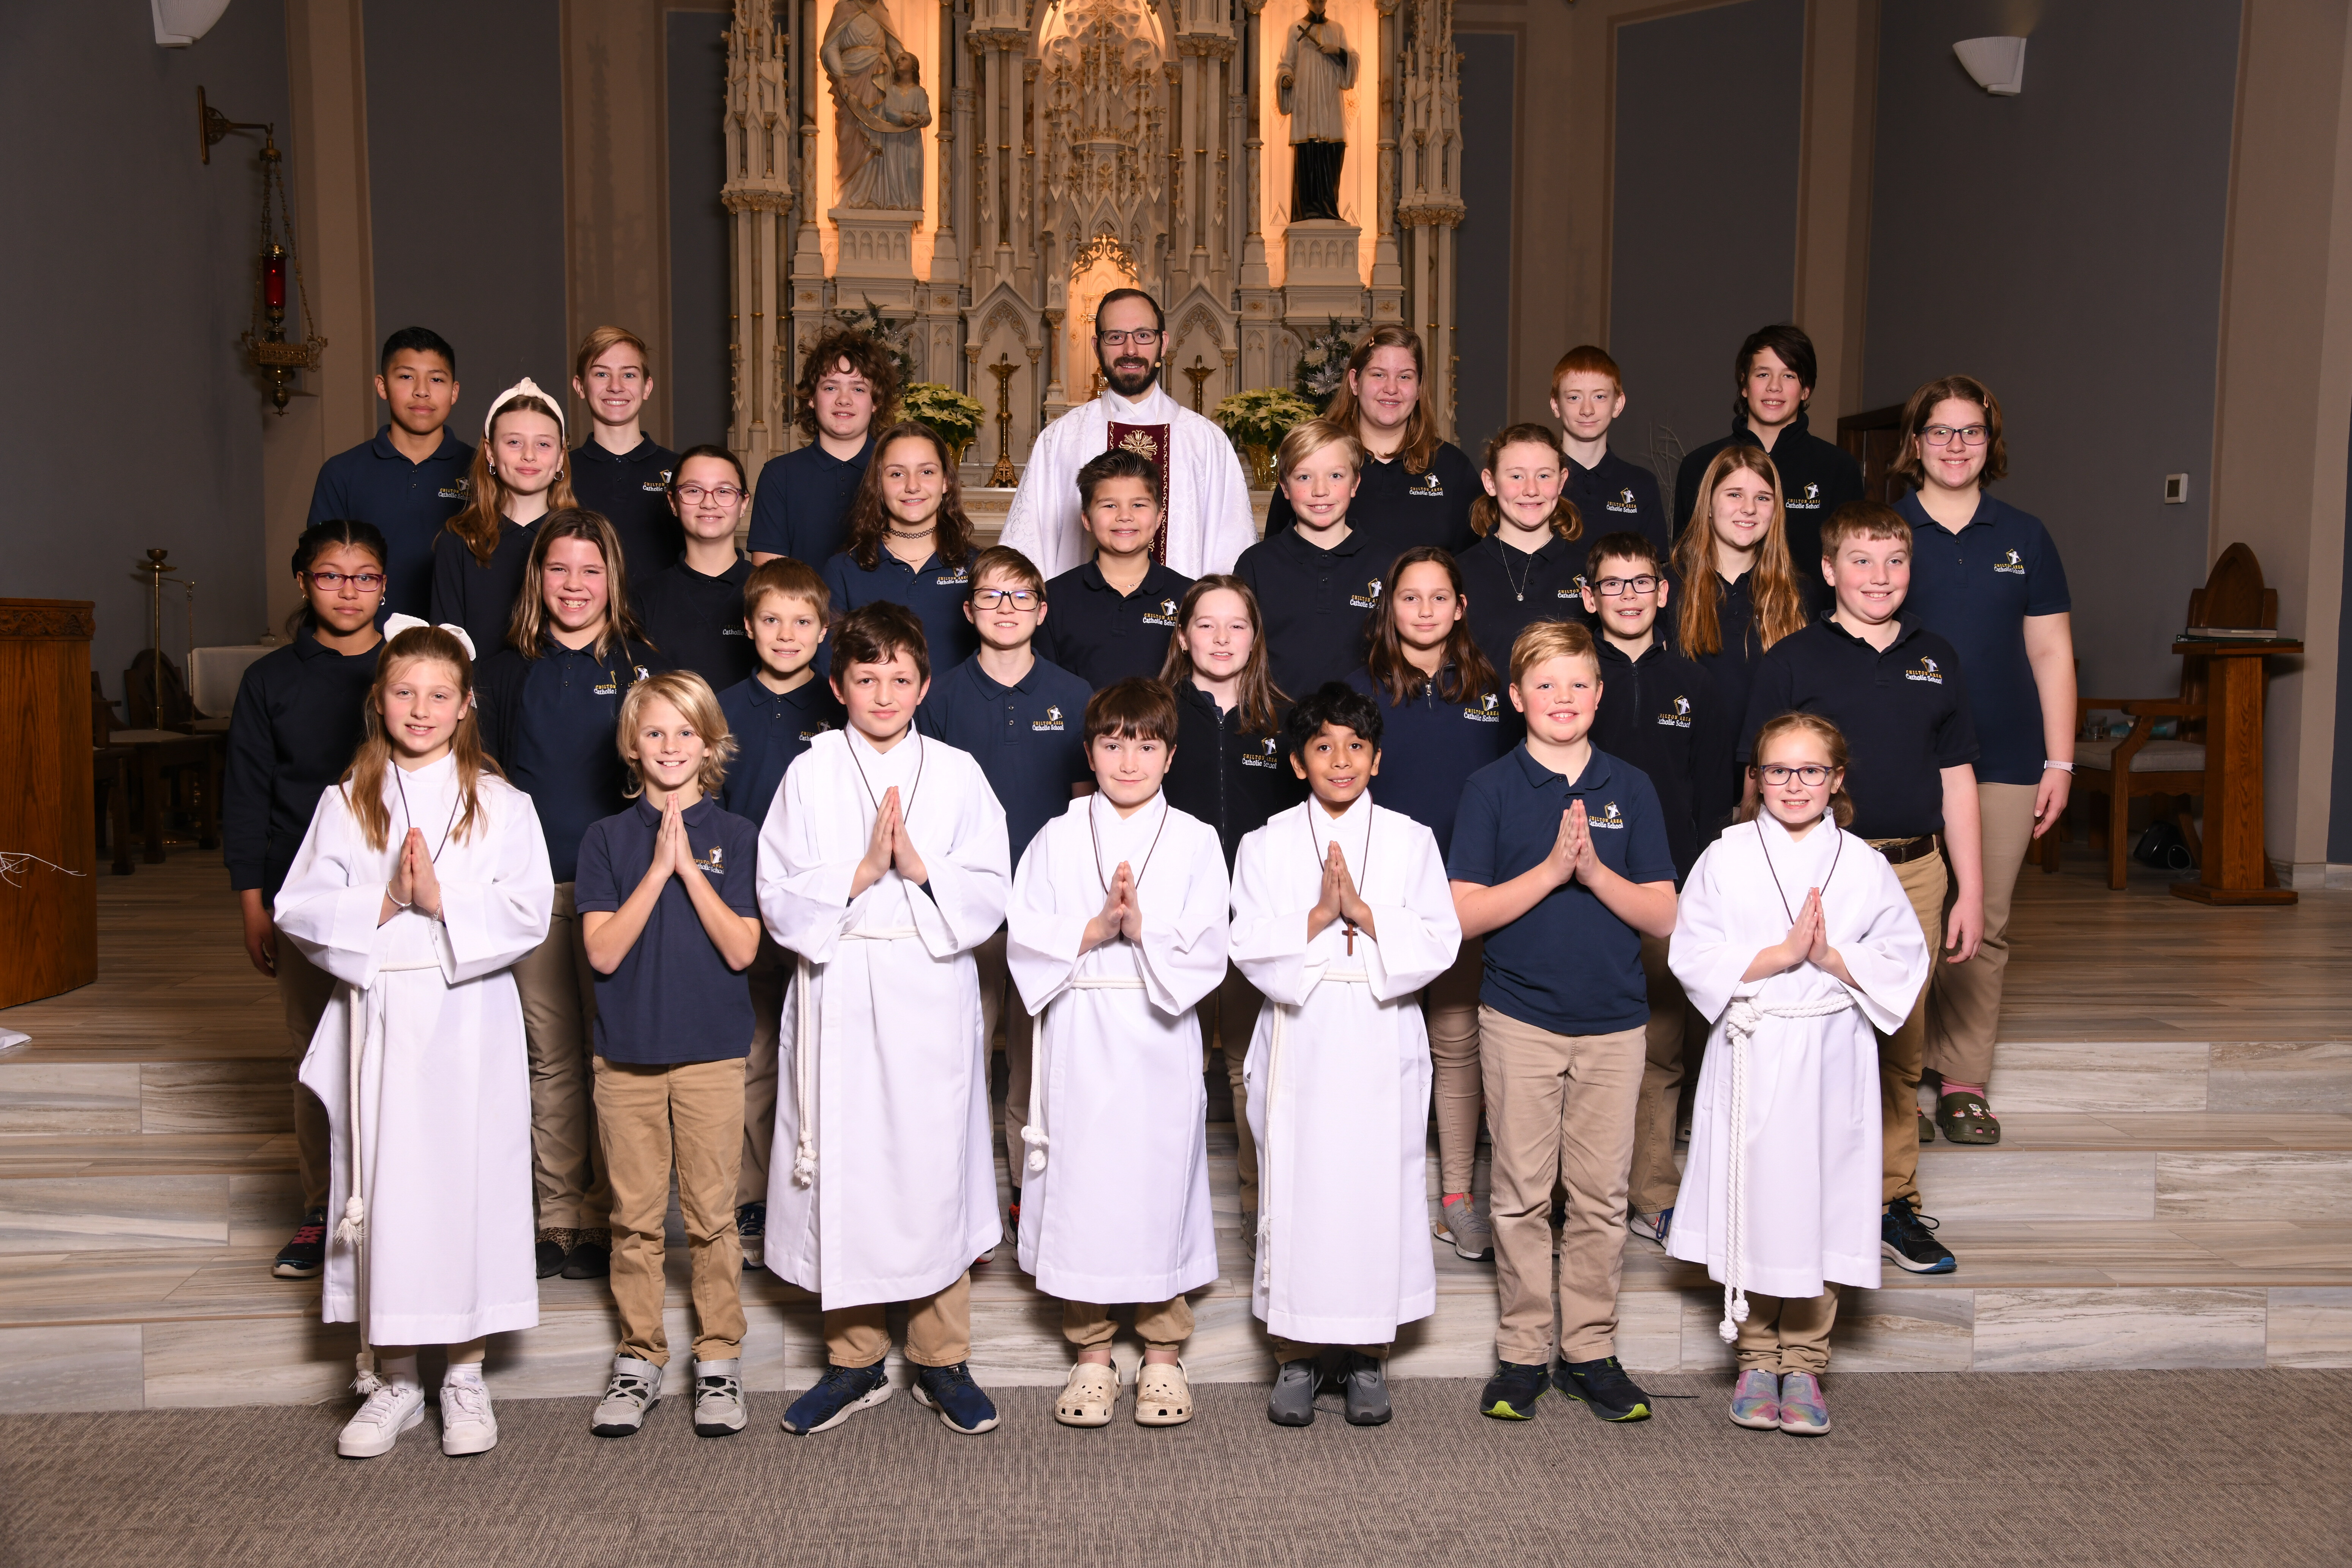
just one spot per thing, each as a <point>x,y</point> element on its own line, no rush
<point>526,387</point>
<point>395,625</point>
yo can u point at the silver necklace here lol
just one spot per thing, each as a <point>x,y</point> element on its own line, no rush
<point>1519,587</point>
<point>456,799</point>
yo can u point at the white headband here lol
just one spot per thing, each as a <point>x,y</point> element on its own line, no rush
<point>526,387</point>
<point>395,625</point>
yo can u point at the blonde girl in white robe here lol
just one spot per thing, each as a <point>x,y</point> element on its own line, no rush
<point>1341,914</point>
<point>1116,929</point>
<point>883,864</point>
<point>1798,940</point>
<point>424,876</point>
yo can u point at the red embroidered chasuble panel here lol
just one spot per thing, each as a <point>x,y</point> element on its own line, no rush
<point>1148,441</point>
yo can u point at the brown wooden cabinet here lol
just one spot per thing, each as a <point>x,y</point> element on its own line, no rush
<point>48,917</point>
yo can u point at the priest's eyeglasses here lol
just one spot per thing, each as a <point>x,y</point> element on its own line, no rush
<point>1142,337</point>
<point>725,495</point>
<point>989,598</point>
<point>1813,775</point>
<point>1943,435</point>
<point>1610,587</point>
<point>365,582</point>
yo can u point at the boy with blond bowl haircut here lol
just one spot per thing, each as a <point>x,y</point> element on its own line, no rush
<point>1117,930</point>
<point>771,717</point>
<point>1893,689</point>
<point>882,865</point>
<point>1560,861</point>
<point>670,918</point>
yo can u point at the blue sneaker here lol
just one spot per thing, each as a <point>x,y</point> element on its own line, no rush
<point>1653,1227</point>
<point>1602,1386</point>
<point>951,1391</point>
<point>840,1393</point>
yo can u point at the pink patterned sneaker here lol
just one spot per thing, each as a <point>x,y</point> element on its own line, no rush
<point>1756,1400</point>
<point>1803,1412</point>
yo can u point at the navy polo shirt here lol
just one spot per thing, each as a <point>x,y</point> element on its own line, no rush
<point>698,621</point>
<point>800,508</point>
<point>1974,589</point>
<point>301,711</point>
<point>478,597</point>
<point>672,998</point>
<point>1614,496</point>
<point>1428,507</point>
<point>1509,590</point>
<point>1029,738</point>
<point>1102,636</point>
<point>1817,476</point>
<point>406,501</point>
<point>771,731</point>
<point>1430,746</point>
<point>1315,602</point>
<point>1228,776</point>
<point>936,594</point>
<point>1905,713</point>
<point>552,724</point>
<point>631,489</point>
<point>1568,965</point>
<point>1661,713</point>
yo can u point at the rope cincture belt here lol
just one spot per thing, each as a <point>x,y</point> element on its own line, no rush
<point>1033,1132</point>
<point>365,1022</point>
<point>1273,1085</point>
<point>1741,1022</point>
<point>804,1050</point>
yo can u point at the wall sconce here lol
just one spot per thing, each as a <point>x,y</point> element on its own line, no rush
<point>265,341</point>
<point>1997,64</point>
<point>179,23</point>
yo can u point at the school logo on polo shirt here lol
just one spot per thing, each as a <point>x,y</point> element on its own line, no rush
<point>949,579</point>
<point>812,734</point>
<point>1269,758</point>
<point>1368,598</point>
<point>1166,617</point>
<point>1679,717</point>
<point>1928,671</point>
<point>711,863</point>
<point>1811,498</point>
<point>1486,712</point>
<point>1625,502</point>
<point>657,486</point>
<point>1575,589</point>
<point>1429,484</point>
<point>2011,564</point>
<point>1608,817</point>
<point>1051,720</point>
<point>456,491</point>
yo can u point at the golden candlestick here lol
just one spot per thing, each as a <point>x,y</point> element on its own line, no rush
<point>1197,374</point>
<point>1002,476</point>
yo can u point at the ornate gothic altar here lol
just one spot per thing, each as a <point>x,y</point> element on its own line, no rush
<point>982,171</point>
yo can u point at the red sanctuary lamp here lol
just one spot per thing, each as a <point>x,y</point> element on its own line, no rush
<point>265,341</point>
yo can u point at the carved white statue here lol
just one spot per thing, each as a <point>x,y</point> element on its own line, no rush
<point>1317,68</point>
<point>874,115</point>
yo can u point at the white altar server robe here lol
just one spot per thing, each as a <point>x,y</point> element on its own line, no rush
<point>1338,1071</point>
<point>1210,522</point>
<point>904,1192</point>
<point>1120,1210</point>
<point>444,1134</point>
<point>1813,1153</point>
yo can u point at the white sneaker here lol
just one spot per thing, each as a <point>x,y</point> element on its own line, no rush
<point>634,1388</point>
<point>468,1426</point>
<point>392,1409</point>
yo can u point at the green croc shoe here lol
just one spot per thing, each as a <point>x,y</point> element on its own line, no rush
<point>1926,1127</point>
<point>1966,1119</point>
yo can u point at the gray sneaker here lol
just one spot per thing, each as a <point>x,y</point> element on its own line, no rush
<point>1292,1403</point>
<point>719,1397</point>
<point>1367,1387</point>
<point>1466,1227</point>
<point>634,1388</point>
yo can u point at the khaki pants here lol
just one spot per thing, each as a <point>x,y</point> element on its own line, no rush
<point>939,1329</point>
<point>1163,1325</point>
<point>1655,1179</point>
<point>770,975</point>
<point>558,1011</point>
<point>305,989</point>
<point>1456,1094</point>
<point>688,1116</point>
<point>1782,1334</point>
<point>1559,1109</point>
<point>1964,999</point>
<point>1228,1015</point>
<point>1000,999</point>
<point>1924,883</point>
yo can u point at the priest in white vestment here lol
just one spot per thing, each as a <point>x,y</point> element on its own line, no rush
<point>1204,501</point>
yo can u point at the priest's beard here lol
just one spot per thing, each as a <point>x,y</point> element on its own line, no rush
<point>1130,374</point>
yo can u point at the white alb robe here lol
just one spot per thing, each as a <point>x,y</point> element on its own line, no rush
<point>1338,1071</point>
<point>903,1192</point>
<point>1812,1169</point>
<point>1115,1200</point>
<point>444,1134</point>
<point>1209,519</point>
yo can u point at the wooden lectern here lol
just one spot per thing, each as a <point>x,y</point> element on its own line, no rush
<point>2236,870</point>
<point>48,917</point>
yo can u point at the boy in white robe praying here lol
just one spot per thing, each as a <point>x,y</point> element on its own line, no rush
<point>882,865</point>
<point>422,879</point>
<point>1797,940</point>
<point>1117,929</point>
<point>1341,914</point>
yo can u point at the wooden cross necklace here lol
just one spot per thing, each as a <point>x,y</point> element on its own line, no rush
<point>1314,839</point>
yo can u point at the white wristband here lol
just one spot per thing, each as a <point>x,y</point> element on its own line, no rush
<point>2061,767</point>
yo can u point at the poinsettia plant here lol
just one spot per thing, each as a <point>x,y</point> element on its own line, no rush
<point>956,417</point>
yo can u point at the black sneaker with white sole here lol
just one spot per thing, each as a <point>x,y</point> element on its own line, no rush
<point>1906,1239</point>
<point>752,1231</point>
<point>305,1256</point>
